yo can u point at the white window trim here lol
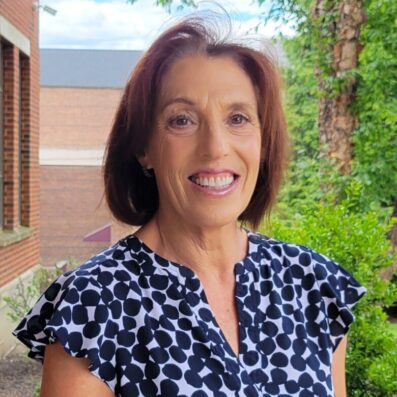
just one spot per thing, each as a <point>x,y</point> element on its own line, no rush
<point>10,33</point>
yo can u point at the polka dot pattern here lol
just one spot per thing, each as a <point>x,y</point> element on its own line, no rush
<point>147,328</point>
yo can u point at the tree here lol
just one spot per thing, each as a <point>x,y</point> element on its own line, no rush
<point>338,25</point>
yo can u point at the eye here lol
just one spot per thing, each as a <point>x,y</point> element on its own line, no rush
<point>180,121</point>
<point>238,119</point>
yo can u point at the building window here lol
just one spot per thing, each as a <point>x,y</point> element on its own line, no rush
<point>20,142</point>
<point>24,140</point>
<point>1,140</point>
<point>15,131</point>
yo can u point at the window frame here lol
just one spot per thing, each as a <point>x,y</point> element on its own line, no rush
<point>1,136</point>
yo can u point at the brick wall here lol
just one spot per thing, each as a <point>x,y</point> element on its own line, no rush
<point>72,206</point>
<point>21,116</point>
<point>76,117</point>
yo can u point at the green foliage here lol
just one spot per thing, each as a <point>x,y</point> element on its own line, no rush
<point>356,240</point>
<point>372,356</point>
<point>310,174</point>
<point>375,141</point>
<point>374,165</point>
<point>301,98</point>
<point>36,391</point>
<point>21,300</point>
<point>393,329</point>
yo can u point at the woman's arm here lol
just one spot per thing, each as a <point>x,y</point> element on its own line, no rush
<point>338,369</point>
<point>67,376</point>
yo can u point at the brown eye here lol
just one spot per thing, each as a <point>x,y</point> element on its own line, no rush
<point>238,119</point>
<point>180,121</point>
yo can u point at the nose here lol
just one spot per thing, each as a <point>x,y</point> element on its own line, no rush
<point>214,141</point>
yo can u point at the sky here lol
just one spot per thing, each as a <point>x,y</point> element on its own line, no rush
<point>114,24</point>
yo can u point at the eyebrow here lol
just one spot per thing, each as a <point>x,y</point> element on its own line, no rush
<point>189,102</point>
<point>242,105</point>
<point>181,99</point>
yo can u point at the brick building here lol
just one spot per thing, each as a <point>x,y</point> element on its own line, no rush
<point>80,91</point>
<point>19,138</point>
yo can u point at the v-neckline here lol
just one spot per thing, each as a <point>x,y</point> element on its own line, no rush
<point>186,272</point>
<point>190,278</point>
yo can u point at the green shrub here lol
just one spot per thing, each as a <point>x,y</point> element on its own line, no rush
<point>26,293</point>
<point>393,328</point>
<point>358,241</point>
<point>375,140</point>
<point>36,391</point>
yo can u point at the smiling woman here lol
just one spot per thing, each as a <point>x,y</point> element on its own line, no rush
<point>149,94</point>
<point>206,142</point>
<point>194,304</point>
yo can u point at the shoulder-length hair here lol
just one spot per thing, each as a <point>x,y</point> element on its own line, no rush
<point>133,197</point>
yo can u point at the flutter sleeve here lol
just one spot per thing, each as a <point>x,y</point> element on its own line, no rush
<point>340,292</point>
<point>73,311</point>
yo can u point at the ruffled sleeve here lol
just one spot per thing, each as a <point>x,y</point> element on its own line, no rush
<point>73,311</point>
<point>340,292</point>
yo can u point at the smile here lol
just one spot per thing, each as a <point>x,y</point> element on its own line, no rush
<point>217,182</point>
<point>214,183</point>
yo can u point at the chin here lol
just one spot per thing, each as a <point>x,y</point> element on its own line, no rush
<point>214,219</point>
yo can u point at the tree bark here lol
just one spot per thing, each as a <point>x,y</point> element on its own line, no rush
<point>336,121</point>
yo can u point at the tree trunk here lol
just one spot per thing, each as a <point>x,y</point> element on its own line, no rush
<point>341,22</point>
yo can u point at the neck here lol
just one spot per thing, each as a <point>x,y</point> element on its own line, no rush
<point>206,250</point>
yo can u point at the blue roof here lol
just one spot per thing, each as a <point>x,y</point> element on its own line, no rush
<point>86,68</point>
<point>98,68</point>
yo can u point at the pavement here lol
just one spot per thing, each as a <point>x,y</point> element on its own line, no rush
<point>19,376</point>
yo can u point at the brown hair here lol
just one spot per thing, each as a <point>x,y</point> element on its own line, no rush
<point>133,197</point>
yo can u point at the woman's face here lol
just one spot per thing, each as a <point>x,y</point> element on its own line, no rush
<point>206,146</point>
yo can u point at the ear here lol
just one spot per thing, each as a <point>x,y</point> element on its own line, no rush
<point>144,161</point>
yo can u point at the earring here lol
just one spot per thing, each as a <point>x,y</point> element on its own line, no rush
<point>147,172</point>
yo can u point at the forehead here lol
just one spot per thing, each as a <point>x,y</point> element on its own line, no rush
<point>198,76</point>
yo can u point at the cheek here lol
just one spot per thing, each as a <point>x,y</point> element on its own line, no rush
<point>168,155</point>
<point>251,154</point>
<point>159,151</point>
<point>250,149</point>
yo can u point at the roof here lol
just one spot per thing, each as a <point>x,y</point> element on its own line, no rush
<point>86,68</point>
<point>101,68</point>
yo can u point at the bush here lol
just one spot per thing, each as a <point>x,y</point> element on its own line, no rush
<point>358,241</point>
<point>26,293</point>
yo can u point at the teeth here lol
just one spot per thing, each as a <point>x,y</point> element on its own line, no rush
<point>218,182</point>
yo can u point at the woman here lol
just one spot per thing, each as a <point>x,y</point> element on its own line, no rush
<point>193,304</point>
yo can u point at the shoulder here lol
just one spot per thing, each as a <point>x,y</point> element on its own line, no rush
<point>81,303</point>
<point>120,261</point>
<point>303,263</point>
<point>288,252</point>
<point>104,276</point>
<point>308,268</point>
